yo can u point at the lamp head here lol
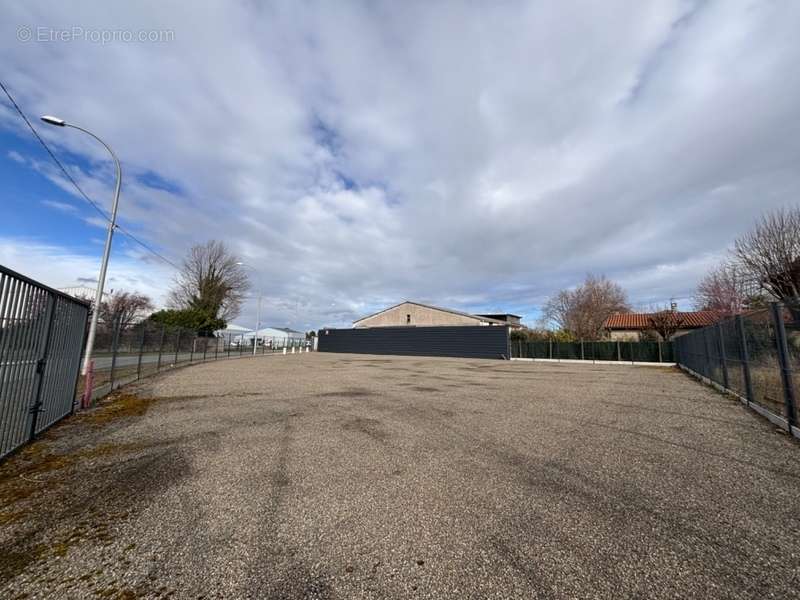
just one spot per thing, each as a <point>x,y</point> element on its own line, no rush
<point>54,120</point>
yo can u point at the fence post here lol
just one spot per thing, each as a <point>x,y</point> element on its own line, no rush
<point>519,346</point>
<point>630,349</point>
<point>558,350</point>
<point>205,347</point>
<point>216,347</point>
<point>582,353</point>
<point>707,367</point>
<point>785,363</point>
<point>191,350</point>
<point>88,385</point>
<point>141,350</point>
<point>41,363</point>
<point>177,346</point>
<point>160,347</point>
<point>660,353</point>
<point>114,344</point>
<point>241,345</point>
<point>76,402</point>
<point>619,353</point>
<point>722,357</point>
<point>748,383</point>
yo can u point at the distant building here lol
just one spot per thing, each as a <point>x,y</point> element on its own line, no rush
<point>631,326</point>
<point>513,320</point>
<point>416,314</point>
<point>278,335</point>
<point>234,330</point>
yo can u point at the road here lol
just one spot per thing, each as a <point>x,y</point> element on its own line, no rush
<point>103,362</point>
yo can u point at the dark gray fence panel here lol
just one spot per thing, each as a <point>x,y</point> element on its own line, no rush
<point>754,356</point>
<point>41,337</point>
<point>593,351</point>
<point>457,341</point>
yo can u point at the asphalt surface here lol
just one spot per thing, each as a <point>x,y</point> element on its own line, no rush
<point>343,476</point>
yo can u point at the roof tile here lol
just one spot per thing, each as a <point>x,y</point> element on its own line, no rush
<point>687,320</point>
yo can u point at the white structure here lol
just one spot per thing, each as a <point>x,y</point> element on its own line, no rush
<point>234,334</point>
<point>234,331</point>
<point>277,336</point>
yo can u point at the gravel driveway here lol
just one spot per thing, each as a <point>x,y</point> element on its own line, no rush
<point>344,476</point>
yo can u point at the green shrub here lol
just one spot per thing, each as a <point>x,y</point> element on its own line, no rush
<point>201,321</point>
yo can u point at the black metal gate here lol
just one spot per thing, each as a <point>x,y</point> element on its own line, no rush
<point>41,341</point>
<point>460,341</point>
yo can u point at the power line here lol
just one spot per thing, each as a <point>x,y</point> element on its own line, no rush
<point>66,173</point>
<point>132,237</point>
<point>53,156</point>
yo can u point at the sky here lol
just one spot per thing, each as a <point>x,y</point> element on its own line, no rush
<point>478,156</point>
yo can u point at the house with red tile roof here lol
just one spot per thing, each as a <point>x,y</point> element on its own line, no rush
<point>633,326</point>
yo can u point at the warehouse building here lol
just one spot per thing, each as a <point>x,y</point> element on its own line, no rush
<point>417,314</point>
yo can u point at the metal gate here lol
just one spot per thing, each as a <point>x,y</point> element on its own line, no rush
<point>41,341</point>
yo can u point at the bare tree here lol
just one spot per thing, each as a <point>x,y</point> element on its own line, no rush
<point>211,281</point>
<point>582,311</point>
<point>666,322</point>
<point>770,253</point>
<point>125,308</point>
<point>727,289</point>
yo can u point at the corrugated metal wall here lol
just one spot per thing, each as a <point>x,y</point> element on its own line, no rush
<point>458,341</point>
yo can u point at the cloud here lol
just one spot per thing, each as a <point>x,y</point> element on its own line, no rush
<point>59,267</point>
<point>60,206</point>
<point>15,156</point>
<point>478,156</point>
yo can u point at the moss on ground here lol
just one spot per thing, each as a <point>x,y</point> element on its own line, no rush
<point>39,468</point>
<point>120,406</point>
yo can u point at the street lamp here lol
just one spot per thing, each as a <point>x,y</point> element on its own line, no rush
<point>98,296</point>
<point>258,310</point>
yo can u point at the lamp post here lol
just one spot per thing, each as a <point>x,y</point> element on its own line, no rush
<point>98,296</point>
<point>258,309</point>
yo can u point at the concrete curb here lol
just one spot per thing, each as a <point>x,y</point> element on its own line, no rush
<point>589,361</point>
<point>767,414</point>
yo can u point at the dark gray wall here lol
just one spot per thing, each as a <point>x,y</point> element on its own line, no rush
<point>459,341</point>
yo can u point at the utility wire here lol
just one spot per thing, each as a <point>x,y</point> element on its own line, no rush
<point>53,156</point>
<point>147,247</point>
<point>77,187</point>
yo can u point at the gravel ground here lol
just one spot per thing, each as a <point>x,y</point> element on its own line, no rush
<point>344,476</point>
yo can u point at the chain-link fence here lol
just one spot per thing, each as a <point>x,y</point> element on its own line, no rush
<point>125,354</point>
<point>617,351</point>
<point>754,356</point>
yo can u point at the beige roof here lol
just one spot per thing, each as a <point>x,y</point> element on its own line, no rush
<point>449,310</point>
